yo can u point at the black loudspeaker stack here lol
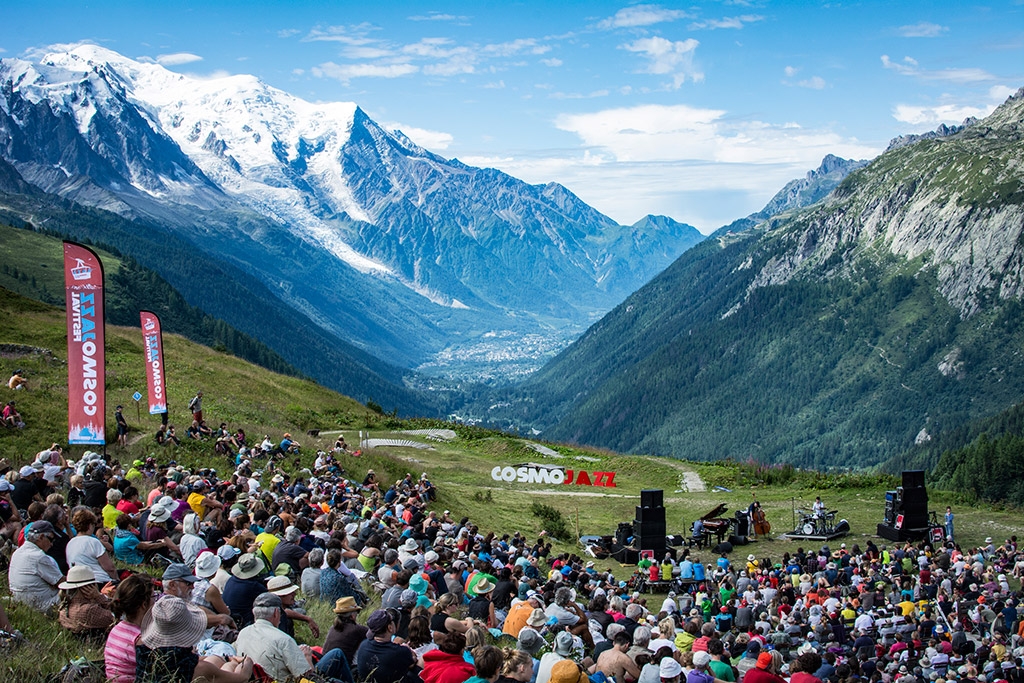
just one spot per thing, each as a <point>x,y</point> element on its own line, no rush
<point>649,525</point>
<point>911,502</point>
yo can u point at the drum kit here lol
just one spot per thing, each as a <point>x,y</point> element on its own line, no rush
<point>820,524</point>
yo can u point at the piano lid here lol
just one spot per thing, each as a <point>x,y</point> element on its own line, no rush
<point>717,512</point>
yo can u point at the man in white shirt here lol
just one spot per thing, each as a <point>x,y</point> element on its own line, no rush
<point>277,652</point>
<point>865,622</point>
<point>34,575</point>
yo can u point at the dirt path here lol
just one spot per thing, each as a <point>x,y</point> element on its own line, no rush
<point>692,482</point>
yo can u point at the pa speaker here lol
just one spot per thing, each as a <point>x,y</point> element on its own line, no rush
<point>723,547</point>
<point>649,515</point>
<point>652,498</point>
<point>913,479</point>
<point>915,501</point>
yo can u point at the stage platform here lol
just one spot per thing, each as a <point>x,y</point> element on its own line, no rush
<point>797,535</point>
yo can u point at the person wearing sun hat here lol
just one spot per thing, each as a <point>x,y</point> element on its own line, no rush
<point>282,587</point>
<point>346,634</point>
<point>165,650</point>
<point>204,593</point>
<point>84,610</point>
<point>481,607</point>
<point>561,649</point>
<point>243,587</point>
<point>567,671</point>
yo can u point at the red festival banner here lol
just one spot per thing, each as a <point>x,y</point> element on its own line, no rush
<point>153,346</point>
<point>83,284</point>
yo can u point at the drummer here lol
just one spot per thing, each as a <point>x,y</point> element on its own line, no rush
<point>818,509</point>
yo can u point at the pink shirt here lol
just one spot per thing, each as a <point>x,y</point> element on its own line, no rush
<point>119,652</point>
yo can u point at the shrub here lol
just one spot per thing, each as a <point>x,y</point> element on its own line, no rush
<point>552,521</point>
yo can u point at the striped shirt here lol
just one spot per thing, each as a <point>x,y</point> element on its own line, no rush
<point>119,652</point>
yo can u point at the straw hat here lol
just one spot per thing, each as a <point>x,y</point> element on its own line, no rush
<point>410,545</point>
<point>281,585</point>
<point>172,623</point>
<point>483,586</point>
<point>567,671</point>
<point>346,605</point>
<point>248,566</point>
<point>207,565</point>
<point>78,576</point>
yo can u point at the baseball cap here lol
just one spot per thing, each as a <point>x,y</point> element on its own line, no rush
<point>179,572</point>
<point>379,621</point>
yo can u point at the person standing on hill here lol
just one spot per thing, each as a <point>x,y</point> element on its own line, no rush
<point>122,427</point>
<point>196,406</point>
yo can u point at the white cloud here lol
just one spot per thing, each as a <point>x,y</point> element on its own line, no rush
<point>431,56</point>
<point>999,93</point>
<point>356,34</point>
<point>177,59</point>
<point>791,71</point>
<point>641,15</point>
<point>437,16</point>
<point>553,62</point>
<point>578,96</point>
<point>498,85</point>
<point>430,139</point>
<point>298,72</point>
<point>923,29</point>
<point>924,116</point>
<point>515,47</point>
<point>697,165</point>
<point>452,67</point>
<point>288,32</point>
<point>814,83</point>
<point>666,57</point>
<point>726,22</point>
<point>346,72</point>
<point>910,67</point>
<point>652,133</point>
<point>943,113</point>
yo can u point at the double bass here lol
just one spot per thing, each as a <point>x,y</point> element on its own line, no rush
<point>761,525</point>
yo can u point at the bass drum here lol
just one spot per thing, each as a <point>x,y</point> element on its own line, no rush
<point>843,527</point>
<point>808,528</point>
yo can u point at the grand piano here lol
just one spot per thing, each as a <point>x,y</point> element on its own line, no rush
<point>713,525</point>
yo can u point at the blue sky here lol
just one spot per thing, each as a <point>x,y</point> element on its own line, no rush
<point>697,111</point>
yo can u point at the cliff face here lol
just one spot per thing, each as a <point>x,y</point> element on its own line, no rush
<point>956,202</point>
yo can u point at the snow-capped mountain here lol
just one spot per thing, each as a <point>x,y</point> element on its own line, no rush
<point>349,223</point>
